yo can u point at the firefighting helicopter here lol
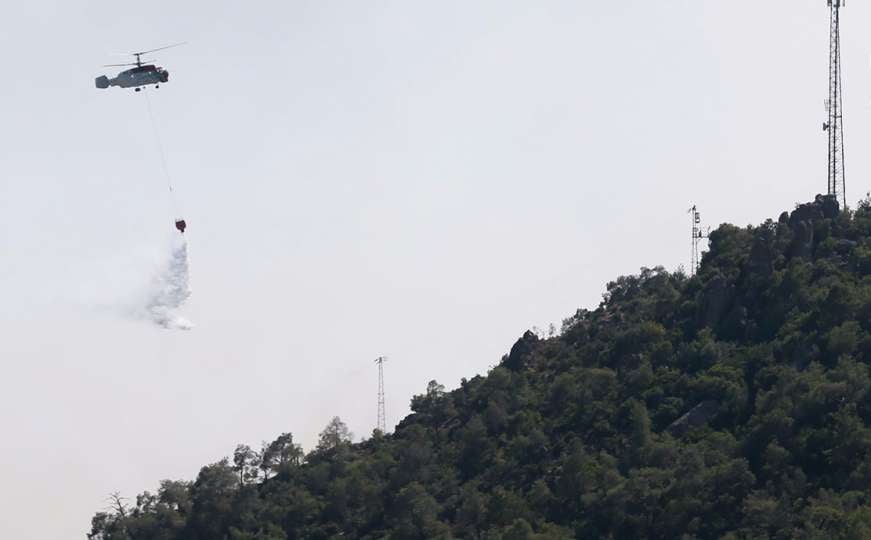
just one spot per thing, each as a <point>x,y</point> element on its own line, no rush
<point>141,75</point>
<point>137,77</point>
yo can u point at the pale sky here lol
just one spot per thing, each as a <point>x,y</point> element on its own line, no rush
<point>424,180</point>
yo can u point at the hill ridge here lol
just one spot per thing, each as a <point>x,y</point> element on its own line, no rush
<point>731,404</point>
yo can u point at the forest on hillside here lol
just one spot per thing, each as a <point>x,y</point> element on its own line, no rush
<point>734,403</point>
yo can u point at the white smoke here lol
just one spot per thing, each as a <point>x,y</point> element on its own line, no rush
<point>170,289</point>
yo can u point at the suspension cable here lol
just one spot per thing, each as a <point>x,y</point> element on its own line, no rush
<point>159,143</point>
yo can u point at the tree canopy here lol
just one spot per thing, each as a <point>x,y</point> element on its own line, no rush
<point>732,404</point>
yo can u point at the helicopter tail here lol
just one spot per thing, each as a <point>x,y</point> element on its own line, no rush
<point>102,81</point>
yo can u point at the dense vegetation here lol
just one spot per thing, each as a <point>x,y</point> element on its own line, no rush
<point>732,404</point>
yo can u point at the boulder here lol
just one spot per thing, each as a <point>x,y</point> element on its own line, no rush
<point>823,207</point>
<point>521,351</point>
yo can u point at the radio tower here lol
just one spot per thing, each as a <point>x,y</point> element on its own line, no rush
<point>698,236</point>
<point>382,413</point>
<point>834,125</point>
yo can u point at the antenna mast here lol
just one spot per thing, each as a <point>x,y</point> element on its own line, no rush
<point>382,413</point>
<point>834,104</point>
<point>698,236</point>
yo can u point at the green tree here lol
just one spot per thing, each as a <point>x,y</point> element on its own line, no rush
<point>282,454</point>
<point>212,496</point>
<point>417,515</point>
<point>335,435</point>
<point>245,463</point>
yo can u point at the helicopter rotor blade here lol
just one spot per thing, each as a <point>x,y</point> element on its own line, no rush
<point>159,49</point>
<point>120,65</point>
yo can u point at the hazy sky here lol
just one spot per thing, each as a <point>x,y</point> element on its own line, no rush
<point>424,180</point>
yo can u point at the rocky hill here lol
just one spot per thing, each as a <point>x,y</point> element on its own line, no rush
<point>732,404</point>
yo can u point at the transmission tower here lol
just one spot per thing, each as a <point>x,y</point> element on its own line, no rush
<point>382,412</point>
<point>698,236</point>
<point>834,105</point>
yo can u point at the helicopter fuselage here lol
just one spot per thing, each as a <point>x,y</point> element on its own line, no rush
<point>135,77</point>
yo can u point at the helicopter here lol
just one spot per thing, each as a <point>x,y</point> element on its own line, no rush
<point>139,76</point>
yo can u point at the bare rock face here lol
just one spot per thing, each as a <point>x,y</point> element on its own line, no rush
<point>830,206</point>
<point>697,417</point>
<point>521,351</point>
<point>823,207</point>
<point>801,221</point>
<point>802,240</point>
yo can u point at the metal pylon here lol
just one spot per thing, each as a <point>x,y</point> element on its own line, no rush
<point>698,236</point>
<point>834,125</point>
<point>382,412</point>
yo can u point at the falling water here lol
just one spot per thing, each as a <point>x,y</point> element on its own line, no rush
<point>170,289</point>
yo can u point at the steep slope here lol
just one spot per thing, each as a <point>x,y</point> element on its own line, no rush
<point>732,404</point>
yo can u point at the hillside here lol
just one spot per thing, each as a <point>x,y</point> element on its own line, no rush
<point>732,404</point>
